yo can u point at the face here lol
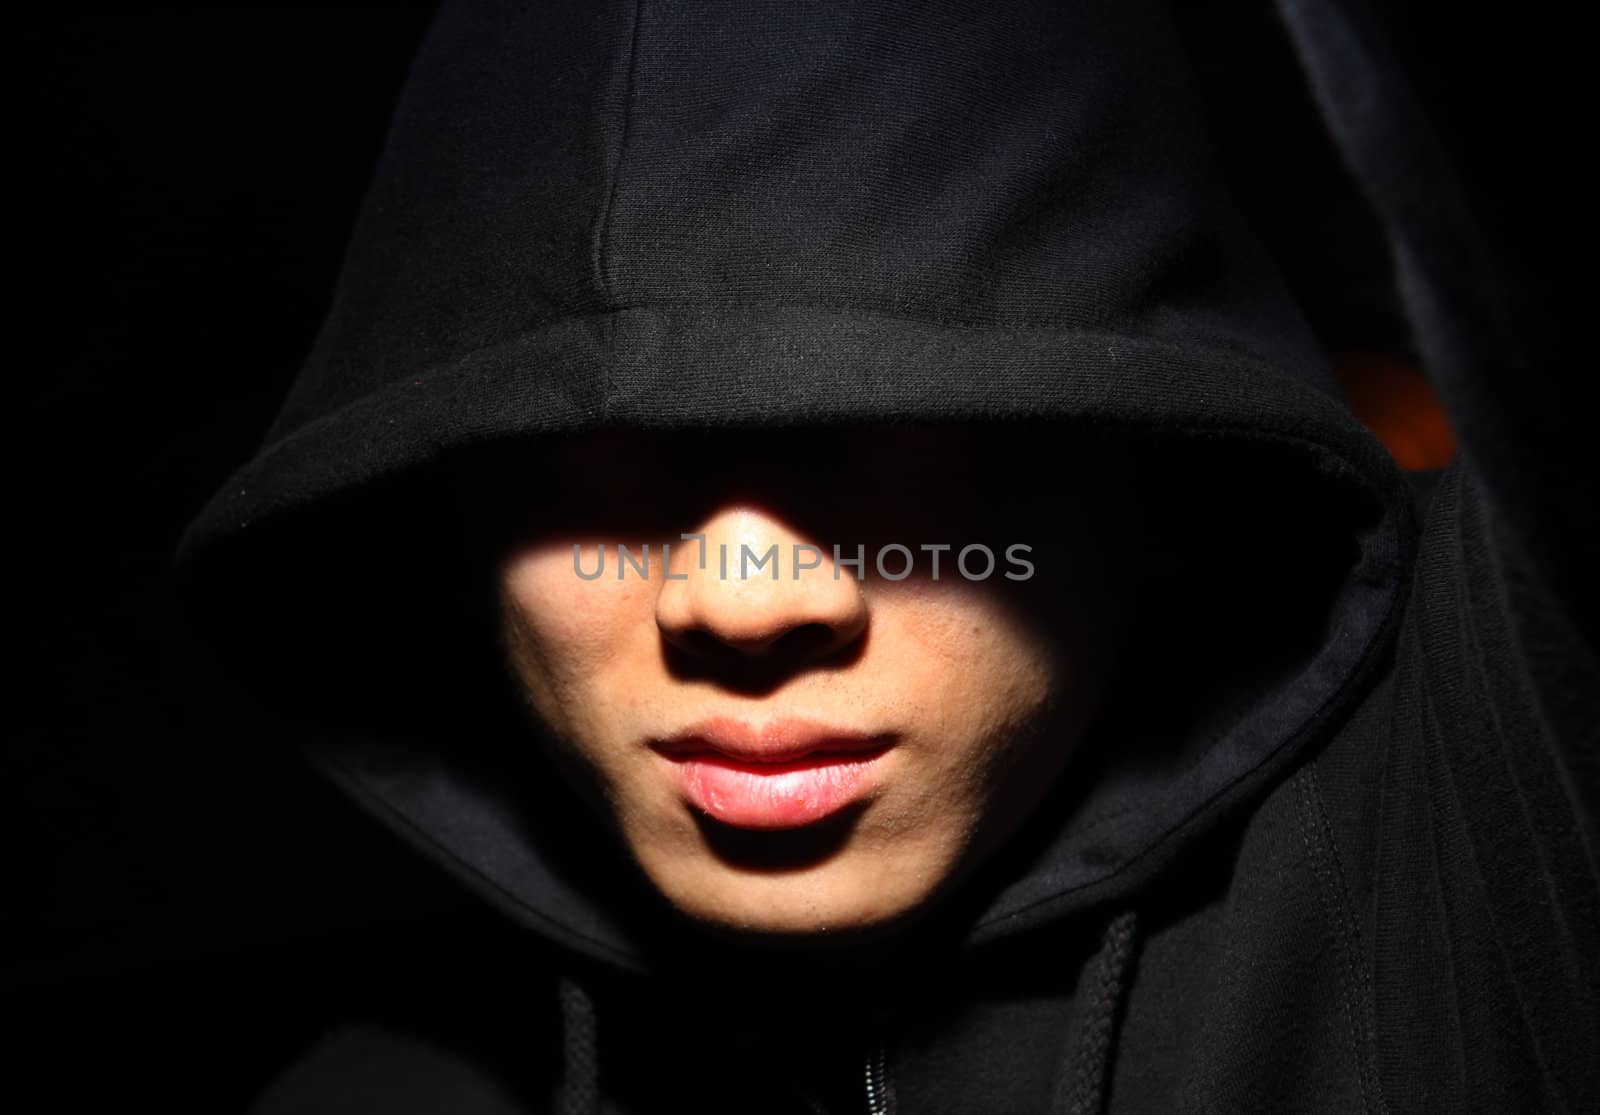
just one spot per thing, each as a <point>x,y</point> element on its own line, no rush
<point>790,744</point>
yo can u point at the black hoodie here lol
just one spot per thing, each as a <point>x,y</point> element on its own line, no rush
<point>1331,847</point>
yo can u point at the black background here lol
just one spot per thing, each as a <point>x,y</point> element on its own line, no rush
<point>185,907</point>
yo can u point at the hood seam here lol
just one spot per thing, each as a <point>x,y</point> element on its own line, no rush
<point>602,228</point>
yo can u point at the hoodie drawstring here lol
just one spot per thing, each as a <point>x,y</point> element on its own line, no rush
<point>580,1051</point>
<point>1086,1069</point>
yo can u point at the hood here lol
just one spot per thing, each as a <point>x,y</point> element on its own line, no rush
<point>605,215</point>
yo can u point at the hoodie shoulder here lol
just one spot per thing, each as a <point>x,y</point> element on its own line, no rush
<point>1459,816</point>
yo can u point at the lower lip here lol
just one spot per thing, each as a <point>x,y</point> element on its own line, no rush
<point>776,795</point>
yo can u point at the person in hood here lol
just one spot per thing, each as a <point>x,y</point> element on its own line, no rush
<point>797,738</point>
<point>831,521</point>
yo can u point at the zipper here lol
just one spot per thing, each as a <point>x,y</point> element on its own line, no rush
<point>834,1095</point>
<point>877,1082</point>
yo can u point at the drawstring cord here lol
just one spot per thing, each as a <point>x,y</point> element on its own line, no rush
<point>1086,1070</point>
<point>580,1052</point>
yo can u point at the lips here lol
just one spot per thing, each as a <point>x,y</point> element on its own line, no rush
<point>784,774</point>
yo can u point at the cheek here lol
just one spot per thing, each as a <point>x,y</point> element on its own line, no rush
<point>566,633</point>
<point>969,648</point>
<point>974,675</point>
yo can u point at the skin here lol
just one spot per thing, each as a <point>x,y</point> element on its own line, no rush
<point>983,687</point>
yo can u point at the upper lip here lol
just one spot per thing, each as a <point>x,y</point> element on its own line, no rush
<point>776,741</point>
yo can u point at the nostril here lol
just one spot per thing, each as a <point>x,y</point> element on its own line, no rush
<point>703,644</point>
<point>802,643</point>
<point>806,642</point>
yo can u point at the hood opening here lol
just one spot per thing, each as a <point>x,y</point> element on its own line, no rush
<point>363,625</point>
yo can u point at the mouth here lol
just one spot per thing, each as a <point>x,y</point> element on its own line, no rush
<point>786,774</point>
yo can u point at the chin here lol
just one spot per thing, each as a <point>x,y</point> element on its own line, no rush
<point>838,900</point>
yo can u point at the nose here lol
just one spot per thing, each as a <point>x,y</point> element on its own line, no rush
<point>745,596</point>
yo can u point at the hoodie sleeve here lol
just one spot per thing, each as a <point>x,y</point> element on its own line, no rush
<point>1486,906</point>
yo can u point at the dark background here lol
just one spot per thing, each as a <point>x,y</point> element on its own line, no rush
<point>186,907</point>
<point>189,905</point>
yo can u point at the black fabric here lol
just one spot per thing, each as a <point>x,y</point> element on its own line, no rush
<point>1085,1076</point>
<point>580,1089</point>
<point>1358,829</point>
